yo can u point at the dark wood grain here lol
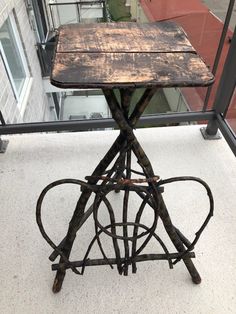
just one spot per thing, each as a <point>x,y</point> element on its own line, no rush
<point>107,55</point>
<point>123,37</point>
<point>81,70</point>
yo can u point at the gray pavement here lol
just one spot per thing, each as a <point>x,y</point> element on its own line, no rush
<point>219,8</point>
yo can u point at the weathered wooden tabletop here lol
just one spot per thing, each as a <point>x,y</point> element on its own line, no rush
<point>107,55</point>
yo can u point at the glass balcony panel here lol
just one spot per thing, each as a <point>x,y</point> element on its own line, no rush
<point>64,14</point>
<point>231,114</point>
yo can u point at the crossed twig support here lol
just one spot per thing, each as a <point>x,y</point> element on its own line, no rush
<point>118,178</point>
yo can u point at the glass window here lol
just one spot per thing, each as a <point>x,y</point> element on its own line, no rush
<point>13,57</point>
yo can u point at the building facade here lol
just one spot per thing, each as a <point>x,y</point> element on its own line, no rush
<point>22,96</point>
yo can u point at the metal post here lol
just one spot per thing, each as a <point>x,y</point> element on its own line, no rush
<point>220,48</point>
<point>225,90</point>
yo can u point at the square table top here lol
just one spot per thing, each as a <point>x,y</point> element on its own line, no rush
<point>127,54</point>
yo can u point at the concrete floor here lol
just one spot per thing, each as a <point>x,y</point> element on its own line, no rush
<point>33,161</point>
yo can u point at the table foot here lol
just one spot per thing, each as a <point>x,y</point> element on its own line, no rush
<point>197,280</point>
<point>58,281</point>
<point>192,271</point>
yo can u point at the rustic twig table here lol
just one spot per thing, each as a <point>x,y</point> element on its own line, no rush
<point>124,56</point>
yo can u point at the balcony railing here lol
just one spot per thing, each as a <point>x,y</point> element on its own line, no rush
<point>217,116</point>
<point>60,13</point>
<point>76,12</point>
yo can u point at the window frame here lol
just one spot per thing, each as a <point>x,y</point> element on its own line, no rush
<point>19,96</point>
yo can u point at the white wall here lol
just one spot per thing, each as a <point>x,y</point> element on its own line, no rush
<point>34,106</point>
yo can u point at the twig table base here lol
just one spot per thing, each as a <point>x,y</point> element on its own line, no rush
<point>74,66</point>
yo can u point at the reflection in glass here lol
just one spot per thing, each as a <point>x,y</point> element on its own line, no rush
<point>12,55</point>
<point>231,114</point>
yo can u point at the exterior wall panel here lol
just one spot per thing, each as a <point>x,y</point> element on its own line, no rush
<point>36,105</point>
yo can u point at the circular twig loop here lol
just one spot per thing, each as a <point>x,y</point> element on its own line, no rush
<point>39,217</point>
<point>97,202</point>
